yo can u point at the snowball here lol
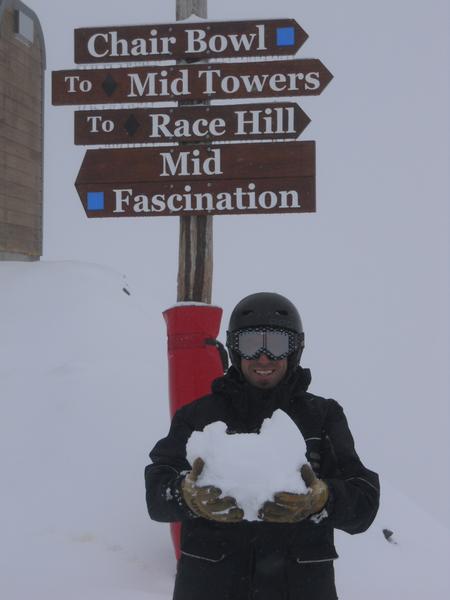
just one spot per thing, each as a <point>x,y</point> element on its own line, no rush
<point>251,467</point>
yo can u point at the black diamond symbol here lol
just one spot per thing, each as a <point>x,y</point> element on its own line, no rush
<point>109,85</point>
<point>131,125</point>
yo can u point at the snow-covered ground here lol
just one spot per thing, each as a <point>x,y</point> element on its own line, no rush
<point>83,398</point>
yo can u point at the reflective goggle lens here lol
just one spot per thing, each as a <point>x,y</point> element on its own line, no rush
<point>276,343</point>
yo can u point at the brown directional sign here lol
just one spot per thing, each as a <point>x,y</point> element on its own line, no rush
<point>191,82</point>
<point>234,122</point>
<point>229,161</point>
<point>226,179</point>
<point>188,41</point>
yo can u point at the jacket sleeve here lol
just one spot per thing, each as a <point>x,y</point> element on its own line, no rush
<point>163,477</point>
<point>354,489</point>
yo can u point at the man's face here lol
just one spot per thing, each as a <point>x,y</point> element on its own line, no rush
<point>263,372</point>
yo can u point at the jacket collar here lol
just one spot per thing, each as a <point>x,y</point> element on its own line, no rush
<point>233,382</point>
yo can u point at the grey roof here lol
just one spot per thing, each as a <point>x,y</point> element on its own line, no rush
<point>18,5</point>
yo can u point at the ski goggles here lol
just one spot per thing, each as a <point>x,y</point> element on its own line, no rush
<point>275,343</point>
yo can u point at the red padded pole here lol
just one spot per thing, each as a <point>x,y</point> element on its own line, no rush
<point>193,363</point>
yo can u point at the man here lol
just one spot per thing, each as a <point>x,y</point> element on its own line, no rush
<point>288,554</point>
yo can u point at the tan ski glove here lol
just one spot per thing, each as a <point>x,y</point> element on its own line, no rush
<point>205,501</point>
<point>287,507</point>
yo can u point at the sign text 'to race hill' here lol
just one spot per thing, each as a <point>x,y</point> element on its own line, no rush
<point>233,122</point>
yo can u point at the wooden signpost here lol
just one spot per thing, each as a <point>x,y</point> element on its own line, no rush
<point>235,122</point>
<point>218,81</point>
<point>195,248</point>
<point>190,199</point>
<point>188,41</point>
<point>191,180</point>
<point>224,161</point>
<point>204,174</point>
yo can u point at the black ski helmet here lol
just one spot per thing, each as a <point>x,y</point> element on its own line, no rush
<point>266,309</point>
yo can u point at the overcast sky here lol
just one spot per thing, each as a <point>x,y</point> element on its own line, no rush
<point>368,270</point>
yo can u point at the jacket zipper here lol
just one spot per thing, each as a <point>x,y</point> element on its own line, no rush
<point>319,560</point>
<point>214,560</point>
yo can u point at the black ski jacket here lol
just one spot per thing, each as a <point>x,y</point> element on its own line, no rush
<point>259,560</point>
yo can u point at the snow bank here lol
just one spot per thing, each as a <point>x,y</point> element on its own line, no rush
<point>82,399</point>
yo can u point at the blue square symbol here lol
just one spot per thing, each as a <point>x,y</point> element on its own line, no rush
<point>285,36</point>
<point>95,200</point>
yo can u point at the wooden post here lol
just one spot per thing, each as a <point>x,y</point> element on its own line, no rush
<point>195,257</point>
<point>186,8</point>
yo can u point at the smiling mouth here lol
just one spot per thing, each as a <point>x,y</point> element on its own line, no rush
<point>264,372</point>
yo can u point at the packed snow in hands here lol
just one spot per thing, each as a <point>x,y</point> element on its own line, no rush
<point>251,467</point>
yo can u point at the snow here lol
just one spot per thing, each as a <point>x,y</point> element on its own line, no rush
<point>83,400</point>
<point>191,303</point>
<point>251,467</point>
<point>414,567</point>
<point>75,429</point>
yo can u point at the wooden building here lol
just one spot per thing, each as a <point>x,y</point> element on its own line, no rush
<point>22,67</point>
